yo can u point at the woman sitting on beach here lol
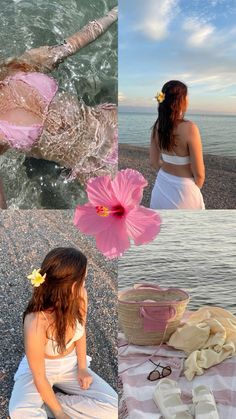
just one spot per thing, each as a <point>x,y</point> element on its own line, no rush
<point>55,347</point>
<point>176,153</point>
<point>40,121</point>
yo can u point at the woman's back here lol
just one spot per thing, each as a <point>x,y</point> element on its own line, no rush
<point>46,322</point>
<point>181,135</point>
<point>177,160</point>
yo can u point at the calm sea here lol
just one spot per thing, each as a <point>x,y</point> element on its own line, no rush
<point>218,131</point>
<point>90,74</point>
<point>195,251</point>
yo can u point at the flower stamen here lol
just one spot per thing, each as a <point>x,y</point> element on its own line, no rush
<point>105,212</point>
<point>102,211</point>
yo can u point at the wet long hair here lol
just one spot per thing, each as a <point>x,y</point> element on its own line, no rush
<point>169,113</point>
<point>13,65</point>
<point>63,266</point>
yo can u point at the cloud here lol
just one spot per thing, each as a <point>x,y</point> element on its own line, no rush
<point>199,31</point>
<point>199,49</point>
<point>209,83</point>
<point>121,97</point>
<point>157,16</point>
<point>204,80</point>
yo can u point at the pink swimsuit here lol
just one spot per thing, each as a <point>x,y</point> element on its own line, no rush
<point>23,137</point>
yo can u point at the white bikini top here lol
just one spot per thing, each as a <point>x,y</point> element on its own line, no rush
<point>174,159</point>
<point>51,347</point>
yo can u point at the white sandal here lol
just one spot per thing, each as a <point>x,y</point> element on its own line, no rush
<point>204,403</point>
<point>167,398</point>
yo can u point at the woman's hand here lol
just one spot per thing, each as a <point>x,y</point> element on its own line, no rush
<point>85,379</point>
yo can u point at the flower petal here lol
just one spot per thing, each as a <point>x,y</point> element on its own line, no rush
<point>113,241</point>
<point>88,221</point>
<point>100,192</point>
<point>128,187</point>
<point>143,225</point>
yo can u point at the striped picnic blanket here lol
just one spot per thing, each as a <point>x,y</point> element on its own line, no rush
<point>134,367</point>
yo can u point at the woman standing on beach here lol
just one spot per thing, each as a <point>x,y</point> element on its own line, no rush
<point>176,153</point>
<point>39,120</point>
<point>55,347</point>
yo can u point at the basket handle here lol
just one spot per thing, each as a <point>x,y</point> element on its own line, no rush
<point>156,318</point>
<point>147,285</point>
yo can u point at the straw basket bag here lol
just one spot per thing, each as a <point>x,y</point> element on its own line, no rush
<point>149,314</point>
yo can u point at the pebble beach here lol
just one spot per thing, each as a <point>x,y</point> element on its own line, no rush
<point>26,237</point>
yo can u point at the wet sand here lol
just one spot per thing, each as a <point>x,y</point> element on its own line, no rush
<point>219,190</point>
<point>25,238</point>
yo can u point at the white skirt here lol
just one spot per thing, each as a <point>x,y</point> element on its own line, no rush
<point>175,192</point>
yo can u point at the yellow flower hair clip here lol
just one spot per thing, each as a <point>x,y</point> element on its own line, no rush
<point>160,97</point>
<point>36,278</point>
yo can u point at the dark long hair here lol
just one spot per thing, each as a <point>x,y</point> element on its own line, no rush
<point>13,65</point>
<point>63,267</point>
<point>169,113</point>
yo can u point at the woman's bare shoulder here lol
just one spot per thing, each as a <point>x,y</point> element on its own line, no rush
<point>187,127</point>
<point>35,334</point>
<point>35,321</point>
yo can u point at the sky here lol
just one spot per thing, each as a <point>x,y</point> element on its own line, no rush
<point>189,40</point>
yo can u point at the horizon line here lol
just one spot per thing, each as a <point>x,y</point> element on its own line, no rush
<point>146,109</point>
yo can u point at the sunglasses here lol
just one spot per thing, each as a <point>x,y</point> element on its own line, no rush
<point>157,375</point>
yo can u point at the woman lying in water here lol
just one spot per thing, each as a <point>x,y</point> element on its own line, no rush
<point>40,121</point>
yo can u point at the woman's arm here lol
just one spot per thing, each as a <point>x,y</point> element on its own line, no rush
<point>196,155</point>
<point>155,152</point>
<point>46,58</point>
<point>35,338</point>
<point>91,31</point>
<point>84,378</point>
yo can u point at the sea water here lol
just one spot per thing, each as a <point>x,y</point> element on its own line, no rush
<point>195,250</point>
<point>218,132</point>
<point>91,75</point>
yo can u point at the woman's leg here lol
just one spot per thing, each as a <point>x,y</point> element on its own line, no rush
<point>99,401</point>
<point>46,58</point>
<point>26,402</point>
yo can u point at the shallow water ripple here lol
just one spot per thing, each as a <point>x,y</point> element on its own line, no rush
<point>217,131</point>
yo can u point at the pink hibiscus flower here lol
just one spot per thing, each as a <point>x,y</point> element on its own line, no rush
<point>113,215</point>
